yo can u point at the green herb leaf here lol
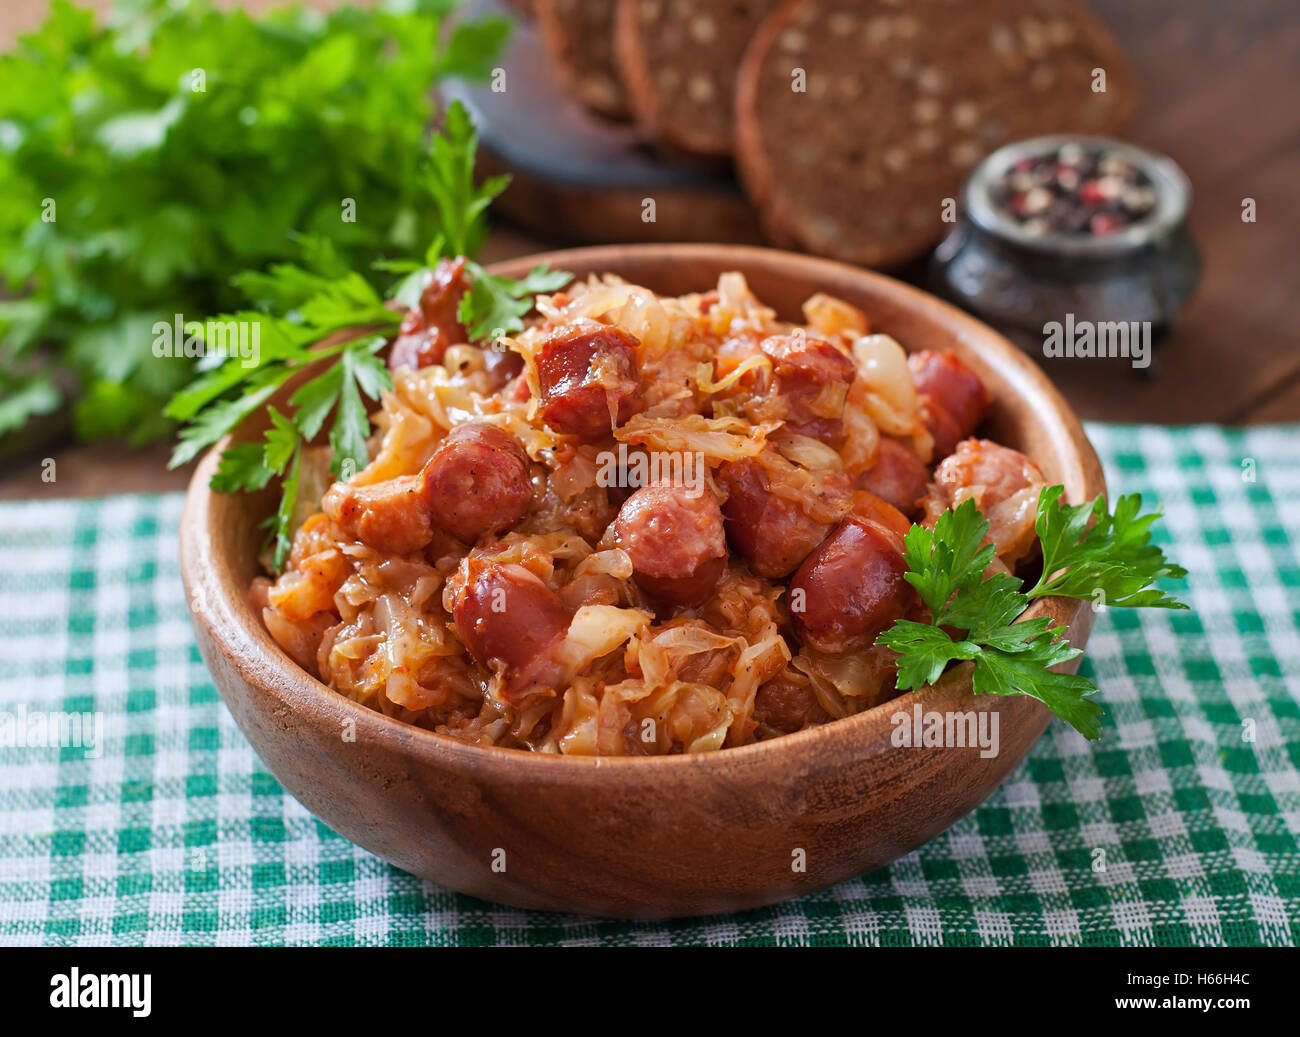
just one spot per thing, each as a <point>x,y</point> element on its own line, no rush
<point>24,398</point>
<point>281,442</point>
<point>281,523</point>
<point>942,561</point>
<point>180,144</point>
<point>1026,673</point>
<point>242,467</point>
<point>1114,555</point>
<point>222,417</point>
<point>495,306</point>
<point>347,302</point>
<point>473,48</point>
<point>925,651</point>
<point>351,425</point>
<point>986,607</point>
<point>277,340</point>
<point>1014,656</point>
<point>460,204</point>
<point>315,399</point>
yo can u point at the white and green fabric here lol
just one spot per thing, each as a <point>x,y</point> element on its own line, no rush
<point>1180,827</point>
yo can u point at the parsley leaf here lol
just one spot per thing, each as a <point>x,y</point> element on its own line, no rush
<point>281,442</point>
<point>1114,555</point>
<point>277,340</point>
<point>242,467</point>
<point>148,158</point>
<point>315,399</point>
<point>25,398</point>
<point>1026,673</point>
<point>360,373</point>
<point>925,651</point>
<point>986,607</point>
<point>943,560</point>
<point>1014,656</point>
<point>280,524</point>
<point>461,206</point>
<point>250,466</point>
<point>495,306</point>
<point>222,417</point>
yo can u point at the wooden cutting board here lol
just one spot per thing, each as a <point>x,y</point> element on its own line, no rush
<point>581,178</point>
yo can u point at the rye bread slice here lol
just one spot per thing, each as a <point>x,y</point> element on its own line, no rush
<point>901,100</point>
<point>579,36</point>
<point>679,59</point>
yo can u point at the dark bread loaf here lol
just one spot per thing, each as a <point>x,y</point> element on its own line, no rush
<point>579,35</point>
<point>901,100</point>
<point>679,59</point>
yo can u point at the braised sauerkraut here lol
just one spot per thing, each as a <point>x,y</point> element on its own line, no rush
<point>643,525</point>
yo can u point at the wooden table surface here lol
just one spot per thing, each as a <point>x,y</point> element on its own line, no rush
<point>1220,94</point>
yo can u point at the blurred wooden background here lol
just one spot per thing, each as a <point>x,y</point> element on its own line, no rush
<point>1220,94</point>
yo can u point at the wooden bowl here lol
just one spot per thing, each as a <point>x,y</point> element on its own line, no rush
<point>639,837</point>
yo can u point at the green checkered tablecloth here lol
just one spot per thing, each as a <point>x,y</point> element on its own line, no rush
<point>175,833</point>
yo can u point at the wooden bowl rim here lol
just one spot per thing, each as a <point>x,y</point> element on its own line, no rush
<point>262,664</point>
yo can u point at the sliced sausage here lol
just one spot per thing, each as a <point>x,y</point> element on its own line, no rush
<point>477,482</point>
<point>390,516</point>
<point>507,618</point>
<point>942,427</point>
<point>953,399</point>
<point>787,703</point>
<point>813,378</point>
<point>502,366</point>
<point>589,378</point>
<point>517,391</point>
<point>770,532</point>
<point>433,325</point>
<point>897,476</point>
<point>674,537</point>
<point>950,383</point>
<point>850,588</point>
<point>866,505</point>
<point>1005,486</point>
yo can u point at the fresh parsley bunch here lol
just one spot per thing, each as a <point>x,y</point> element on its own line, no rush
<point>1086,549</point>
<point>144,164</point>
<point>320,311</point>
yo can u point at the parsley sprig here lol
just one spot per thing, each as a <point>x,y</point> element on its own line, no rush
<point>1086,550</point>
<point>493,306</point>
<point>321,312</point>
<point>148,155</point>
<point>1113,554</point>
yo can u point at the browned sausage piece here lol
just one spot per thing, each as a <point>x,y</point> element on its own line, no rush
<point>502,366</point>
<point>813,377</point>
<point>866,505</point>
<point>1005,486</point>
<point>953,399</point>
<point>787,703</point>
<point>673,534</point>
<point>589,379</point>
<point>771,533</point>
<point>898,476</point>
<point>429,328</point>
<point>477,482</point>
<point>942,427</point>
<point>851,588</point>
<point>390,516</point>
<point>506,617</point>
